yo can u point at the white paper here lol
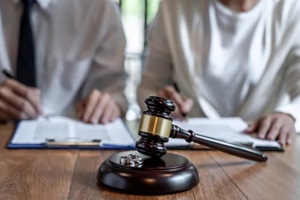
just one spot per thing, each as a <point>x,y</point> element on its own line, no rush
<point>228,129</point>
<point>61,128</point>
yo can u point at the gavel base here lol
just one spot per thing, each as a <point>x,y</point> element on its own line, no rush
<point>171,173</point>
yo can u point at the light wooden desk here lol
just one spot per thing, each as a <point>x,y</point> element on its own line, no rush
<point>71,174</point>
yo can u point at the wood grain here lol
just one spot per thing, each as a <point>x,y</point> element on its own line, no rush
<point>291,155</point>
<point>71,174</point>
<point>214,183</point>
<point>35,174</point>
<point>272,180</point>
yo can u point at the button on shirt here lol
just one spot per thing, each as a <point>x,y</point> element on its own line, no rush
<point>79,46</point>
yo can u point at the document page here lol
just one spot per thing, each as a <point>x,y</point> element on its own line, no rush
<point>62,129</point>
<point>228,129</point>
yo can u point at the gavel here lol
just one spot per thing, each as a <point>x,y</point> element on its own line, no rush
<point>156,128</point>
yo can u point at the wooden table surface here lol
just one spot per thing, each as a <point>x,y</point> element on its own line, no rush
<point>71,174</point>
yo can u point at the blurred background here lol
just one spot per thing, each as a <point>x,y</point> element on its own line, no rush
<point>137,15</point>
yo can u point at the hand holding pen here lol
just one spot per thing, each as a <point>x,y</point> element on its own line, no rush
<point>18,101</point>
<point>182,103</point>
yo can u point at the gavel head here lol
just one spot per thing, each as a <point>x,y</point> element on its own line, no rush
<point>155,126</point>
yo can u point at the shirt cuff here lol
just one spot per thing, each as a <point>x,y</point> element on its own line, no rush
<point>292,110</point>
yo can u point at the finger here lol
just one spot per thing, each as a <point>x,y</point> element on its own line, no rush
<point>107,113</point>
<point>5,117</point>
<point>290,136</point>
<point>264,126</point>
<point>172,94</point>
<point>79,109</point>
<point>161,93</point>
<point>274,130</point>
<point>182,105</point>
<point>178,115</point>
<point>115,114</point>
<point>110,111</point>
<point>17,87</point>
<point>283,136</point>
<point>19,103</point>
<point>252,127</point>
<point>187,105</point>
<point>32,95</point>
<point>90,105</point>
<point>99,111</point>
<point>8,112</point>
<point>169,92</point>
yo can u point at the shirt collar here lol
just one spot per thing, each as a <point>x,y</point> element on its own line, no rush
<point>43,3</point>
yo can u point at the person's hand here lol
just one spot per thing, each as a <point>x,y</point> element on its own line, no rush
<point>183,104</point>
<point>98,107</point>
<point>277,126</point>
<point>18,101</point>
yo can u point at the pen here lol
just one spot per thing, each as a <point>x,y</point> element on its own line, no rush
<point>7,74</point>
<point>177,90</point>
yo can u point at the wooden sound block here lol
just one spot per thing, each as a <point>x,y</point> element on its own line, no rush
<point>133,172</point>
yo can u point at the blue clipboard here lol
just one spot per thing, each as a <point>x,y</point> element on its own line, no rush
<point>52,144</point>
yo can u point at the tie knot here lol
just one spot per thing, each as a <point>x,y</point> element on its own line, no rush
<point>28,3</point>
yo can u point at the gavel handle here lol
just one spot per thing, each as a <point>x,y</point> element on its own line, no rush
<point>230,148</point>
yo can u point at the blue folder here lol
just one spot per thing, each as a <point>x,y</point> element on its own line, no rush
<point>75,145</point>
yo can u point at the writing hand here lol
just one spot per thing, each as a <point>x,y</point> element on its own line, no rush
<point>98,107</point>
<point>18,101</point>
<point>183,104</point>
<point>277,126</point>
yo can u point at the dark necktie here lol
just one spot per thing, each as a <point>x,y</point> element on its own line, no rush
<point>25,72</point>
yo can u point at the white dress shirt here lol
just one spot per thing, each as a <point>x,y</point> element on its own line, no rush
<point>79,46</point>
<point>244,64</point>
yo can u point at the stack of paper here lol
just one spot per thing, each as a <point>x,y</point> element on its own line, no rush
<point>228,129</point>
<point>63,130</point>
